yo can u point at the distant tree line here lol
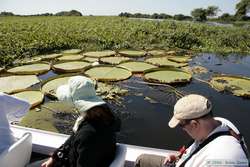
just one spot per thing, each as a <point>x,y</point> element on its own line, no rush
<point>62,13</point>
<point>155,16</point>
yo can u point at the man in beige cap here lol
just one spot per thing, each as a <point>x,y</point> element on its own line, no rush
<point>216,140</point>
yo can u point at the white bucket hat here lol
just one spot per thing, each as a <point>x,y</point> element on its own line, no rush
<point>190,107</point>
<point>81,92</point>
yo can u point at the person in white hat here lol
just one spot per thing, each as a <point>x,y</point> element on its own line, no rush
<point>216,140</point>
<point>10,109</point>
<point>93,142</point>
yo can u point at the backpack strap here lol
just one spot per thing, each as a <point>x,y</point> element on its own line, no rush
<point>211,138</point>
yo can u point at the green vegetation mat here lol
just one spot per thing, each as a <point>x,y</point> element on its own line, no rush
<point>239,86</point>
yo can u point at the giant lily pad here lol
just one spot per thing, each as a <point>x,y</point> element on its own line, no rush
<point>132,53</point>
<point>114,60</point>
<point>71,51</point>
<point>91,59</point>
<point>156,52</point>
<point>49,87</point>
<point>100,54</point>
<point>167,75</point>
<point>30,69</point>
<point>73,66</point>
<point>180,59</point>
<point>12,84</point>
<point>164,61</point>
<point>239,86</point>
<point>28,60</point>
<point>50,56</point>
<point>108,73</point>
<point>33,97</point>
<point>195,69</point>
<point>136,67</point>
<point>71,57</point>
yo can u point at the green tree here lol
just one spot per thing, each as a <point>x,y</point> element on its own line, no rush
<point>199,14</point>
<point>212,10</point>
<point>242,8</point>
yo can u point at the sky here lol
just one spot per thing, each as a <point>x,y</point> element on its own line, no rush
<point>113,7</point>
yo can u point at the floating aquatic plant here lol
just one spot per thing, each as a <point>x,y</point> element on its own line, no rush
<point>136,66</point>
<point>73,66</point>
<point>37,68</point>
<point>100,54</point>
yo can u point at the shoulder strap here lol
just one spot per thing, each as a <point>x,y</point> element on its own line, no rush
<point>203,144</point>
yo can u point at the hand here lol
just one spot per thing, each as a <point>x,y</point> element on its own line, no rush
<point>48,163</point>
<point>170,159</point>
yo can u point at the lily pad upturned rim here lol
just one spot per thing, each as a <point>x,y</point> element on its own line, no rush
<point>39,99</point>
<point>178,65</point>
<point>103,53</point>
<point>70,57</point>
<point>175,59</point>
<point>154,52</point>
<point>108,80</point>
<point>134,61</point>
<point>127,53</point>
<point>56,77</point>
<point>166,69</point>
<point>102,60</point>
<point>29,72</point>
<point>231,76</point>
<point>60,70</point>
<point>50,56</point>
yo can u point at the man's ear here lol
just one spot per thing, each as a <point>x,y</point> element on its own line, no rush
<point>194,123</point>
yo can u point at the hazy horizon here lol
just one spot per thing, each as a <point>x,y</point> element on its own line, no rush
<point>113,7</point>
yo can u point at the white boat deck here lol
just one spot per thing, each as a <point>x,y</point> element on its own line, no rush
<point>45,142</point>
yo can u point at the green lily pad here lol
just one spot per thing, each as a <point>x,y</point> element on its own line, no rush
<point>74,66</point>
<point>17,83</point>
<point>195,69</point>
<point>114,60</point>
<point>71,57</point>
<point>171,52</point>
<point>180,59</point>
<point>108,73</point>
<point>239,86</point>
<point>33,97</point>
<point>132,53</point>
<point>157,52</point>
<point>49,87</point>
<point>71,51</point>
<point>28,60</point>
<point>100,54</point>
<point>167,75</point>
<point>50,56</point>
<point>30,69</point>
<point>136,67</point>
<point>90,59</point>
<point>164,61</point>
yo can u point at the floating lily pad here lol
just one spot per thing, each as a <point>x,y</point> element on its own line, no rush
<point>49,87</point>
<point>90,59</point>
<point>164,61</point>
<point>28,60</point>
<point>72,51</point>
<point>167,75</point>
<point>12,84</point>
<point>171,52</point>
<point>71,57</point>
<point>114,60</point>
<point>50,56</point>
<point>156,52</point>
<point>136,67</point>
<point>108,73</point>
<point>239,86</point>
<point>30,69</point>
<point>60,107</point>
<point>195,69</point>
<point>132,53</point>
<point>180,59</point>
<point>33,97</point>
<point>100,54</point>
<point>74,66</point>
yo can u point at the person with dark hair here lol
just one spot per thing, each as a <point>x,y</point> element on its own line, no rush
<point>217,142</point>
<point>93,143</point>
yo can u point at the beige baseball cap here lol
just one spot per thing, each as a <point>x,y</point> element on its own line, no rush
<point>190,107</point>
